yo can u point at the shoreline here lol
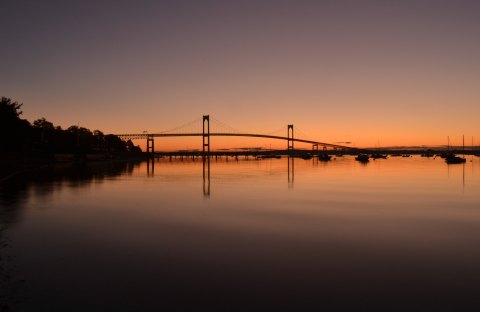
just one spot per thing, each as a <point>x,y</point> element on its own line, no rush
<point>10,169</point>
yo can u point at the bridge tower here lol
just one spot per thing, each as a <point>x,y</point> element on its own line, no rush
<point>290,138</point>
<point>314,148</point>
<point>206,134</point>
<point>150,145</point>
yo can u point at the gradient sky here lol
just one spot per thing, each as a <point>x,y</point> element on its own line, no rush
<point>370,72</point>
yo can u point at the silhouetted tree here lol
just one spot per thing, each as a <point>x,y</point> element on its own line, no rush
<point>83,138</point>
<point>43,130</point>
<point>132,149</point>
<point>48,138</point>
<point>129,145</point>
<point>115,144</point>
<point>17,130</point>
<point>9,110</point>
<point>42,123</point>
<point>98,134</point>
<point>44,139</point>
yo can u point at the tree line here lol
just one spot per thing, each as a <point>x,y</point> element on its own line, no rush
<point>43,139</point>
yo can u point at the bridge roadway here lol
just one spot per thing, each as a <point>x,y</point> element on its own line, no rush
<point>146,135</point>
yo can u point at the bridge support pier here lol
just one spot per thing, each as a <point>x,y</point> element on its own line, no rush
<point>150,146</point>
<point>290,139</point>
<point>315,148</point>
<point>206,135</point>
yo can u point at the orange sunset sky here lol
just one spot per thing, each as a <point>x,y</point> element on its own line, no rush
<point>369,72</point>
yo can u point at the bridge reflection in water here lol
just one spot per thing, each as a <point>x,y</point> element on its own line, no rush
<point>291,171</point>
<point>203,128</point>
<point>206,176</point>
<point>206,171</point>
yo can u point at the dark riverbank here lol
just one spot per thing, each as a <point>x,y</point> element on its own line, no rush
<point>13,166</point>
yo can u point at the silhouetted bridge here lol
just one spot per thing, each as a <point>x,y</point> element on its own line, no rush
<point>206,134</point>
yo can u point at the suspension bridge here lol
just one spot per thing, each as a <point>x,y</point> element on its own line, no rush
<point>220,129</point>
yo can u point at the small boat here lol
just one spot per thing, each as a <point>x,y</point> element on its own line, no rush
<point>362,158</point>
<point>452,159</point>
<point>376,156</point>
<point>445,155</point>
<point>324,157</point>
<point>306,156</point>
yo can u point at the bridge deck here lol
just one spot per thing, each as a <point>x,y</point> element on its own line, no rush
<point>145,135</point>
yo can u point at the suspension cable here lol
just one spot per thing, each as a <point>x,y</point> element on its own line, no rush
<point>182,126</point>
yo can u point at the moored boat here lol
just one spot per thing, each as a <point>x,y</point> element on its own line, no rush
<point>452,159</point>
<point>362,158</point>
<point>445,155</point>
<point>324,157</point>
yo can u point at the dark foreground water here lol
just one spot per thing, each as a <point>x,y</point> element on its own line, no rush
<point>399,234</point>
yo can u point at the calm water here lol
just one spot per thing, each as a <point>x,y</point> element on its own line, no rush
<point>395,234</point>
